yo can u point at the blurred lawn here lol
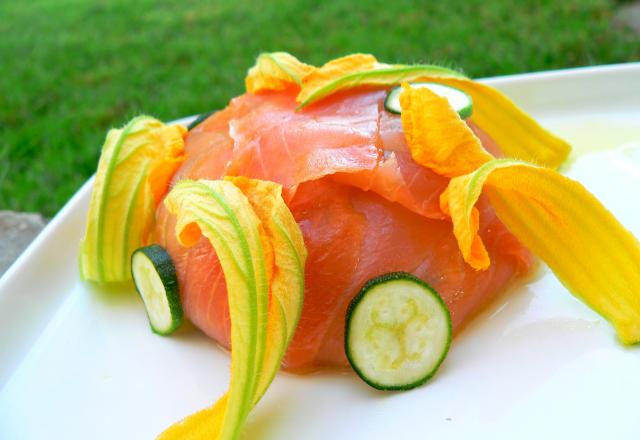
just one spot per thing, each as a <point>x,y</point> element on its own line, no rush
<point>70,69</point>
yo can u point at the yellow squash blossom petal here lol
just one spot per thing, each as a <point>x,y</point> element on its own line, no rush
<point>362,70</point>
<point>133,173</point>
<point>205,424</point>
<point>287,284</point>
<point>161,175</point>
<point>281,235</point>
<point>276,71</point>
<point>337,68</point>
<point>437,137</point>
<point>222,213</point>
<point>518,134</point>
<point>590,252</point>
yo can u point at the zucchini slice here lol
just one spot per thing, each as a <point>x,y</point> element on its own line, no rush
<point>398,332</point>
<point>201,117</point>
<point>459,100</point>
<point>154,276</point>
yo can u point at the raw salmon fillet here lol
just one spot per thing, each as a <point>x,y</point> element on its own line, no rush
<point>364,207</point>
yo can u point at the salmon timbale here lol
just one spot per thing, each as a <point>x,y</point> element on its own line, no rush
<point>364,207</point>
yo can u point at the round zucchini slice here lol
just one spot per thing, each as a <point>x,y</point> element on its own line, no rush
<point>398,332</point>
<point>154,276</point>
<point>201,118</point>
<point>459,100</point>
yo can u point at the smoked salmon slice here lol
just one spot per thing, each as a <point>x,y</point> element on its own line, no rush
<point>364,207</point>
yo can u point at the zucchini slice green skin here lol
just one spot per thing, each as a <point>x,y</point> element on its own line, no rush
<point>201,117</point>
<point>154,276</point>
<point>459,100</point>
<point>381,321</point>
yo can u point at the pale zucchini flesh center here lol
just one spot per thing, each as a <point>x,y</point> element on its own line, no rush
<point>458,100</point>
<point>398,333</point>
<point>152,291</point>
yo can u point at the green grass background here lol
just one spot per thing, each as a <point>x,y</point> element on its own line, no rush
<point>70,69</point>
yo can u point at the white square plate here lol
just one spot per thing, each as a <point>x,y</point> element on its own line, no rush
<point>77,362</point>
